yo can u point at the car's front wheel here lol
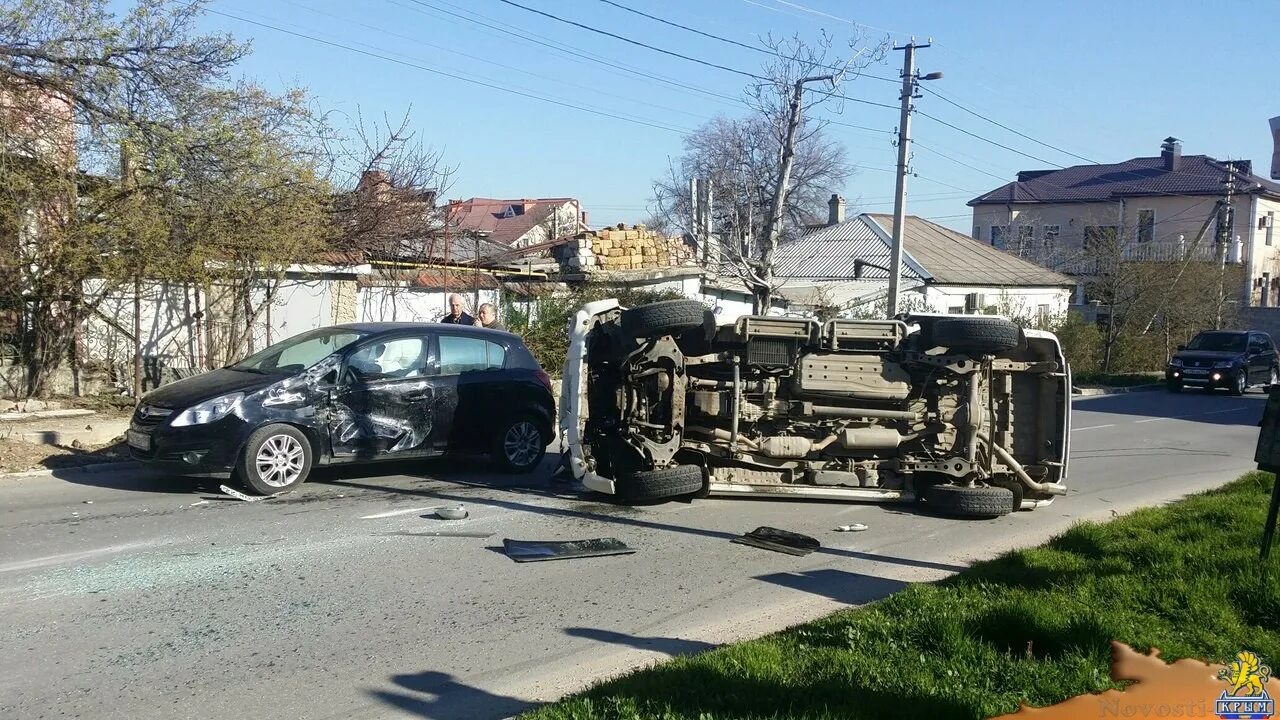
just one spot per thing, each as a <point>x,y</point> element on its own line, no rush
<point>275,459</point>
<point>1239,384</point>
<point>668,482</point>
<point>519,445</point>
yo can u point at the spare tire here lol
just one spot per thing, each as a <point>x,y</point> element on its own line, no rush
<point>657,484</point>
<point>975,502</point>
<point>977,335</point>
<point>668,317</point>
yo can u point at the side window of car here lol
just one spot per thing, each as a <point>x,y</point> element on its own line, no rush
<point>389,360</point>
<point>467,354</point>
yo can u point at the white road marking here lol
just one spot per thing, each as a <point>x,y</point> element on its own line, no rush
<point>65,558</point>
<point>1093,427</point>
<point>1139,422</point>
<point>393,513</point>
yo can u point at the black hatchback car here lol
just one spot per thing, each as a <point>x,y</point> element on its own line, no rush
<point>1232,359</point>
<point>351,393</point>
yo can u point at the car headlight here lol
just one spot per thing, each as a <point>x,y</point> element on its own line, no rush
<point>1224,363</point>
<point>208,411</point>
<point>1176,362</point>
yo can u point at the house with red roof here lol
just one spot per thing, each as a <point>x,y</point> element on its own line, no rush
<point>518,223</point>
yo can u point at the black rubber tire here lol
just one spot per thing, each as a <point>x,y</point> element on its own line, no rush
<point>976,502</point>
<point>976,335</point>
<point>246,467</point>
<point>497,449</point>
<point>1239,384</point>
<point>669,317</point>
<point>674,481</point>
<point>1173,387</point>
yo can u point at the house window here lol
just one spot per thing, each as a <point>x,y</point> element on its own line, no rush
<point>1026,233</point>
<point>1266,289</point>
<point>977,232</point>
<point>1051,233</point>
<point>955,310</point>
<point>1271,225</point>
<point>1146,225</point>
<point>997,237</point>
<point>1042,313</point>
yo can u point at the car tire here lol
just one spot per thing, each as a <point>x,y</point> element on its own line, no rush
<point>978,336</point>
<point>1173,387</point>
<point>519,445</point>
<point>1239,384</point>
<point>669,317</point>
<point>668,482</point>
<point>974,502</point>
<point>275,459</point>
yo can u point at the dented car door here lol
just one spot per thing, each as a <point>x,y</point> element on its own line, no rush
<point>387,401</point>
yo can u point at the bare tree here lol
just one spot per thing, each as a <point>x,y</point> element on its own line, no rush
<point>743,159</point>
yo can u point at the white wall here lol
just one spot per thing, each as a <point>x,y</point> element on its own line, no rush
<point>402,304</point>
<point>1025,302</point>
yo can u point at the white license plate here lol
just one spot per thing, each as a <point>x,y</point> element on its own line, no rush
<point>139,440</point>
<point>1195,371</point>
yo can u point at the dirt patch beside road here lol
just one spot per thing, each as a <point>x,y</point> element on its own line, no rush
<point>17,456</point>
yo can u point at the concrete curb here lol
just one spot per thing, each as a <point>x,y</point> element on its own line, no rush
<point>1096,391</point>
<point>94,469</point>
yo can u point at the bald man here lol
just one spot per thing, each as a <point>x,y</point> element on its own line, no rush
<point>457,313</point>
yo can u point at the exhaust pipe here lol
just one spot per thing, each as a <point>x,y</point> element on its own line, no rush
<point>1007,459</point>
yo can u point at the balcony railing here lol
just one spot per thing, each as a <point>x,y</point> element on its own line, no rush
<point>1077,261</point>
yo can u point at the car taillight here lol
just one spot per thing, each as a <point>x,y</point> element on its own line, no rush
<point>543,378</point>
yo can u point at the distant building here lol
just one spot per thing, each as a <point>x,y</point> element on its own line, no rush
<point>518,223</point>
<point>1155,207</point>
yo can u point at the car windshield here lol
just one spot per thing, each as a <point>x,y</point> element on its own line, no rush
<point>1218,342</point>
<point>299,352</point>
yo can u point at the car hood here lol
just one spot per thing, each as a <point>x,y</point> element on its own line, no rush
<point>189,391</point>
<point>1188,355</point>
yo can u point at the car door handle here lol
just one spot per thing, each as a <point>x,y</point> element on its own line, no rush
<point>419,395</point>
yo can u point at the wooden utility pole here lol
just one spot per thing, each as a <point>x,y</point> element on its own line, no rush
<point>763,290</point>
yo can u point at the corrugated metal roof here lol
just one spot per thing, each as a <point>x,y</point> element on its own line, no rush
<point>931,253</point>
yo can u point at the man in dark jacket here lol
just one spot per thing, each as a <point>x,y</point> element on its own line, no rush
<point>489,318</point>
<point>457,315</point>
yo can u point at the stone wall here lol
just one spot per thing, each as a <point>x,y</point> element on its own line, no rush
<point>619,248</point>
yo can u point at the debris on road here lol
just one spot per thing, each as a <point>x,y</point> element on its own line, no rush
<point>241,496</point>
<point>202,502</point>
<point>852,527</point>
<point>88,502</point>
<point>784,541</point>
<point>455,512</point>
<point>536,550</point>
<point>443,533</point>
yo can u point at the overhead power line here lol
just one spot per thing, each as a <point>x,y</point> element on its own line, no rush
<point>628,40</point>
<point>454,76</point>
<point>1020,134</point>
<point>989,140</point>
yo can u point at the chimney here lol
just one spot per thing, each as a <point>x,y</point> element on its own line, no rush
<point>583,222</point>
<point>1171,153</point>
<point>835,210</point>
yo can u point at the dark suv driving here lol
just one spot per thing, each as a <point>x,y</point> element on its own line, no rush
<point>351,393</point>
<point>1232,359</point>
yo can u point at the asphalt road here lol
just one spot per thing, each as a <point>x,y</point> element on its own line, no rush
<point>133,596</point>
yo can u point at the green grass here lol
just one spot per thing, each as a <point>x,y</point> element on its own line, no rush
<point>1099,379</point>
<point>1032,626</point>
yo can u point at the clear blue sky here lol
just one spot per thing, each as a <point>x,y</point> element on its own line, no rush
<point>1106,80</point>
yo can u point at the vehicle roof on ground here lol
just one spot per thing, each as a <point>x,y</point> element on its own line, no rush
<point>378,328</point>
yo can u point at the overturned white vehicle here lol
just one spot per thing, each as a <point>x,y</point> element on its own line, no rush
<point>969,414</point>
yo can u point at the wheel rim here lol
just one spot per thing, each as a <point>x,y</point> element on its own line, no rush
<point>521,443</point>
<point>1274,380</point>
<point>279,460</point>
<point>1240,384</point>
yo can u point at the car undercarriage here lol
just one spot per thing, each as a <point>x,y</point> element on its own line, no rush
<point>969,414</point>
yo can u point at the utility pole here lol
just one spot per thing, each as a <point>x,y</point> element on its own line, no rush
<point>1226,225</point>
<point>910,83</point>
<point>763,291</point>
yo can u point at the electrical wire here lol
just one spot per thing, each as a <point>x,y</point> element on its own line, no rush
<point>1020,134</point>
<point>637,43</point>
<point>454,76</point>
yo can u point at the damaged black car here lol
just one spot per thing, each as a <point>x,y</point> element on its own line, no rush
<point>349,394</point>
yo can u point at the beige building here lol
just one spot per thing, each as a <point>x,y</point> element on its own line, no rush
<point>1155,206</point>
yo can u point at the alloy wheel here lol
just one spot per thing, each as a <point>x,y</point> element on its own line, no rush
<point>521,443</point>
<point>279,461</point>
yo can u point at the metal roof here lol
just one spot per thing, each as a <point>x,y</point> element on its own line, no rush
<point>1139,177</point>
<point>931,253</point>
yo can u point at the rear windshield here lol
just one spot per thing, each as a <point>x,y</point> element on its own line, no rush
<point>1218,342</point>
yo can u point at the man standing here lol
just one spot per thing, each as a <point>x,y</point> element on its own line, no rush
<point>457,316</point>
<point>489,318</point>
